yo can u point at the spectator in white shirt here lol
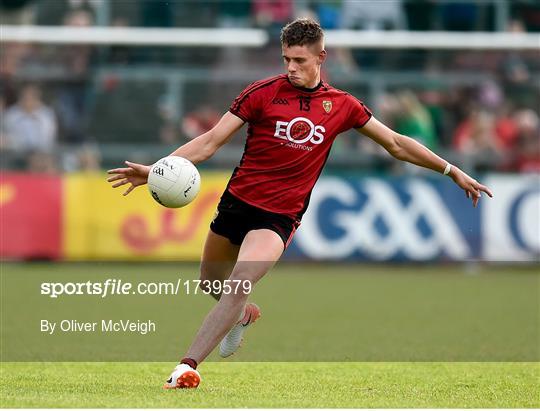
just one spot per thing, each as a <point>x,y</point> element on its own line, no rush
<point>29,125</point>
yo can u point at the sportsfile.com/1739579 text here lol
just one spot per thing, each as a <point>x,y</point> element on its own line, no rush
<point>119,287</point>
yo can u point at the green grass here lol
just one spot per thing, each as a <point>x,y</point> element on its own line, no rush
<point>295,385</point>
<point>329,313</point>
<point>342,336</point>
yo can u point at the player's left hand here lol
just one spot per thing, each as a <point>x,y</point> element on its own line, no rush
<point>473,189</point>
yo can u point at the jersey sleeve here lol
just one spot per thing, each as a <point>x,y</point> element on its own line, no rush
<point>249,104</point>
<point>359,114</point>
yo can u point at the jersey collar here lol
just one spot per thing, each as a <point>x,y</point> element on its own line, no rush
<point>306,89</point>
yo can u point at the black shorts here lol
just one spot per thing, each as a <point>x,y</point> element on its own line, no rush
<point>235,218</point>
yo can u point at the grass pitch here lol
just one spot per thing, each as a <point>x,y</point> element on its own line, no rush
<point>255,385</point>
<point>331,336</point>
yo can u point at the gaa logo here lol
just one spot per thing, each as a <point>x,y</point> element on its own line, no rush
<point>373,219</point>
<point>299,130</point>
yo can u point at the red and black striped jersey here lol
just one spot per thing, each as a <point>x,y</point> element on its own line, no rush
<point>289,136</point>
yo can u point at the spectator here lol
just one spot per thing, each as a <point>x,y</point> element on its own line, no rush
<point>414,120</point>
<point>77,58</point>
<point>200,121</point>
<point>476,135</point>
<point>388,111</point>
<point>17,12</point>
<point>41,162</point>
<point>29,124</point>
<point>89,158</point>
<point>433,98</point>
<point>12,57</point>
<point>513,67</point>
<point>516,71</point>
<point>389,107</point>
<point>90,5</point>
<point>71,96</point>
<point>489,95</point>
<point>527,157</point>
<point>527,11</point>
<point>86,158</point>
<point>506,128</point>
<point>53,12</point>
<point>272,15</point>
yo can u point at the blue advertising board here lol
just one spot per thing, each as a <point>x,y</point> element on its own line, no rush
<point>418,219</point>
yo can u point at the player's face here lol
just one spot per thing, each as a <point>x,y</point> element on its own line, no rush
<point>303,64</point>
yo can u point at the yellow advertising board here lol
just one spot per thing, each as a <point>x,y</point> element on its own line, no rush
<point>101,224</point>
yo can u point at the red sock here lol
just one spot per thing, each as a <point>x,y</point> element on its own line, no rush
<point>189,361</point>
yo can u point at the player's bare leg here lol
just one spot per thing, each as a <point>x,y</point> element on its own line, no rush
<point>258,253</point>
<point>217,262</point>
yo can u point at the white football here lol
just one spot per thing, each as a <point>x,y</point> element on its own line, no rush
<point>174,182</point>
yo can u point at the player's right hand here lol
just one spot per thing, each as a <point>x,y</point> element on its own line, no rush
<point>134,174</point>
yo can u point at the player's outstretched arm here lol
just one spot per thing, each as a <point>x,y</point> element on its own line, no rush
<point>196,151</point>
<point>204,146</point>
<point>406,149</point>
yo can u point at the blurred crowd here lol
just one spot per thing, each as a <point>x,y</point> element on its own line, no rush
<point>448,15</point>
<point>495,134</point>
<point>50,95</point>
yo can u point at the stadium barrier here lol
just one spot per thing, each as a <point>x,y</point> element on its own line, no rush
<point>79,217</point>
<point>30,216</point>
<point>102,224</point>
<point>208,37</point>
<point>419,219</point>
<point>351,218</point>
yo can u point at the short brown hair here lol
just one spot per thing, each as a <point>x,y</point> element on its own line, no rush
<point>301,32</point>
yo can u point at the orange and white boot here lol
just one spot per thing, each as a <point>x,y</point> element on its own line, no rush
<point>233,339</point>
<point>183,376</point>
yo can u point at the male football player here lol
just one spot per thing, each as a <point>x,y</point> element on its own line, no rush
<point>292,120</point>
